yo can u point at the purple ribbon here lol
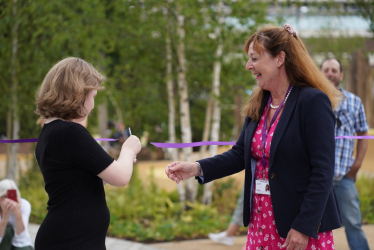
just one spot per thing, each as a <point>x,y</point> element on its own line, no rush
<point>192,144</point>
<point>184,145</point>
<point>36,139</point>
<point>226,143</point>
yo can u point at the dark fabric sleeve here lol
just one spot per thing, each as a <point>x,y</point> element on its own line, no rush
<point>83,151</point>
<point>225,164</point>
<point>320,144</point>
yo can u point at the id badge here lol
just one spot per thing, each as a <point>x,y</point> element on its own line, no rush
<point>262,187</point>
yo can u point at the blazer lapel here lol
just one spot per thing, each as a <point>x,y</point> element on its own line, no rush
<point>282,124</point>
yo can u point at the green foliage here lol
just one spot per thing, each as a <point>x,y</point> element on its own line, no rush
<point>142,212</point>
<point>126,41</point>
<point>365,188</point>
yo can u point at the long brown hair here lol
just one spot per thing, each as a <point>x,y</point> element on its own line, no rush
<point>65,88</point>
<point>300,68</point>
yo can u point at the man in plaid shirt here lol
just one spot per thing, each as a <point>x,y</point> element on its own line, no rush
<point>350,120</point>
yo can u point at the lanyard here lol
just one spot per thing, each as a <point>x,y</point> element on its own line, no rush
<point>264,128</point>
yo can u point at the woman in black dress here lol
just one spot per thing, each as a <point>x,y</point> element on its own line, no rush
<point>74,166</point>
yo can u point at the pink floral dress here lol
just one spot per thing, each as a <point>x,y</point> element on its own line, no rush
<point>262,232</point>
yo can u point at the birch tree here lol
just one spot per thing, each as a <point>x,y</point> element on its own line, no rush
<point>214,135</point>
<point>171,102</point>
<point>14,105</point>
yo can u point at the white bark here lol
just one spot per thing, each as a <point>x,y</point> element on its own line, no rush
<point>118,114</point>
<point>214,135</point>
<point>9,137</point>
<point>170,88</point>
<point>14,105</point>
<point>103,123</point>
<point>184,106</point>
<point>208,120</point>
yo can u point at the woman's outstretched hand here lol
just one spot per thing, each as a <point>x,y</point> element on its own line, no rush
<point>180,170</point>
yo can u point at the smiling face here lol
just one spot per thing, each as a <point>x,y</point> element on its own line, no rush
<point>264,67</point>
<point>331,69</point>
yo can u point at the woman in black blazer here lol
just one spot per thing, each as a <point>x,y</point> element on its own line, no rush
<point>287,142</point>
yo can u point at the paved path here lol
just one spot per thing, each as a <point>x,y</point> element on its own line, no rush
<point>111,243</point>
<point>206,244</point>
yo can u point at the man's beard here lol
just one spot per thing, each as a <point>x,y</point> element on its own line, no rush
<point>334,81</point>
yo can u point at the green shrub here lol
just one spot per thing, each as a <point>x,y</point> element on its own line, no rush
<point>143,212</point>
<point>365,188</point>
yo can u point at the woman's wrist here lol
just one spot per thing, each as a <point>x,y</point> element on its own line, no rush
<point>199,169</point>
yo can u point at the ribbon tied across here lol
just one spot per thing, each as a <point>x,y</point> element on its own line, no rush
<point>182,145</point>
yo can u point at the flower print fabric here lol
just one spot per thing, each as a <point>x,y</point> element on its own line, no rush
<point>262,232</point>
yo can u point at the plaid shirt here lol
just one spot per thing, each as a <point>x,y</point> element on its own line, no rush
<point>350,119</point>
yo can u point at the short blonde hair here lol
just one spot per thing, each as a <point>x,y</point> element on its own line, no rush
<point>7,184</point>
<point>65,88</point>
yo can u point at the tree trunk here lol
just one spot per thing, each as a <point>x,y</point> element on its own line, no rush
<point>14,105</point>
<point>118,114</point>
<point>208,120</point>
<point>9,137</point>
<point>360,82</point>
<point>184,106</point>
<point>214,135</point>
<point>103,123</point>
<point>170,88</point>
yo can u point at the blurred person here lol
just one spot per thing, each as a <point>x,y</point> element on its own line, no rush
<point>351,120</point>
<point>74,166</point>
<point>14,220</point>
<point>287,141</point>
<point>227,237</point>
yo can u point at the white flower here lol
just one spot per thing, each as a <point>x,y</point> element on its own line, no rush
<point>264,215</point>
<point>254,140</point>
<point>313,247</point>
<point>329,241</point>
<point>270,213</point>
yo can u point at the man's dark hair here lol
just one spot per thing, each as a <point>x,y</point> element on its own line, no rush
<point>340,64</point>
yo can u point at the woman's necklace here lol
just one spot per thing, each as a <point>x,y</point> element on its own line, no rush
<point>275,107</point>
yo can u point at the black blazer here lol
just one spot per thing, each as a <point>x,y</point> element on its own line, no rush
<point>301,164</point>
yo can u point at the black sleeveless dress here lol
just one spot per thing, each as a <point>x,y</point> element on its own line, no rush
<point>70,160</point>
